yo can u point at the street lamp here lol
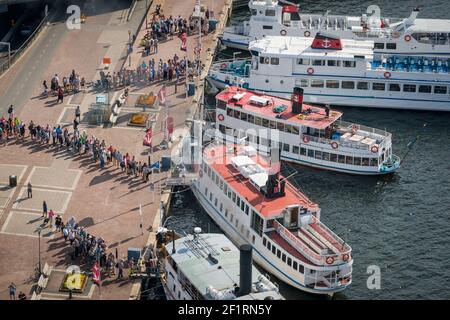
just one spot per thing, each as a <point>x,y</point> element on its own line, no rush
<point>39,244</point>
<point>9,52</point>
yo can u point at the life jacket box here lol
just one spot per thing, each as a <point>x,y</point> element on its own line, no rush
<point>191,89</point>
<point>165,163</point>
<point>134,253</point>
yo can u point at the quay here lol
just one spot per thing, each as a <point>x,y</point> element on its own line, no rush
<point>120,209</point>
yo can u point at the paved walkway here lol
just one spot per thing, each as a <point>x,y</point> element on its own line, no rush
<point>105,202</point>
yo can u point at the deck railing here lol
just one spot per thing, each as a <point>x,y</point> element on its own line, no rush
<point>346,249</point>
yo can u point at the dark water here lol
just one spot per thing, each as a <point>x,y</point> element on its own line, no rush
<point>399,223</point>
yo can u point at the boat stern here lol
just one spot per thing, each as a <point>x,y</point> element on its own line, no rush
<point>390,165</point>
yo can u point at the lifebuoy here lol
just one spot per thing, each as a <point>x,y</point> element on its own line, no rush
<point>307,33</point>
<point>407,38</point>
<point>330,260</point>
<point>345,257</point>
<point>220,117</point>
<point>283,32</point>
<point>387,74</point>
<point>223,66</point>
<point>310,70</point>
<point>305,139</point>
<point>374,149</point>
<point>334,145</point>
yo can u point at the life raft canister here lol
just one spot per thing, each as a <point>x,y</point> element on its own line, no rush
<point>407,38</point>
<point>223,66</point>
<point>374,149</point>
<point>307,33</point>
<point>310,70</point>
<point>387,74</point>
<point>283,32</point>
<point>334,145</point>
<point>305,139</point>
<point>330,260</point>
<point>220,117</point>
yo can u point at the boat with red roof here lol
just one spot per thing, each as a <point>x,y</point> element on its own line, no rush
<point>305,134</point>
<point>246,196</point>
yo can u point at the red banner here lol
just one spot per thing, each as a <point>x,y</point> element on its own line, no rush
<point>148,137</point>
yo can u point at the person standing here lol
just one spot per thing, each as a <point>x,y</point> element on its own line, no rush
<point>60,95</point>
<point>120,266</point>
<point>51,214</point>
<point>12,291</point>
<point>75,124</point>
<point>58,221</point>
<point>30,190</point>
<point>11,112</point>
<point>44,209</point>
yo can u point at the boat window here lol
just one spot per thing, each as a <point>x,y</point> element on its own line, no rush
<point>215,202</point>
<point>242,205</point>
<point>238,201</point>
<point>341,158</point>
<point>288,128</point>
<point>304,83</point>
<point>275,61</point>
<point>295,149</point>
<point>326,156</point>
<point>278,253</point>
<point>334,63</point>
<point>267,27</point>
<point>425,89</point>
<point>206,191</point>
<point>253,239</point>
<point>269,245</point>
<point>264,241</point>
<point>257,120</point>
<point>318,62</point>
<point>365,161</point>
<point>317,83</point>
<point>379,45</point>
<point>301,269</point>
<point>265,122</point>
<point>391,46</point>
<point>332,84</point>
<point>378,86</point>
<point>270,13</point>
<point>286,147</point>
<point>311,153</point>
<point>237,223</point>
<point>348,85</point>
<point>357,161</point>
<point>221,104</point>
<point>363,85</point>
<point>294,265</point>
<point>318,154</point>
<point>243,116</point>
<point>280,126</point>
<point>303,151</point>
<point>246,209</point>
<point>333,157</point>
<point>233,196</point>
<point>237,114</point>
<point>229,112</point>
<point>304,62</point>
<point>273,124</point>
<point>210,196</point>
<point>373,162</point>
<point>221,206</point>
<point>256,223</point>
<point>440,89</point>
<point>226,213</point>
<point>289,261</point>
<point>349,160</point>
<point>348,64</point>
<point>250,118</point>
<point>409,88</point>
<point>295,130</point>
<point>394,87</point>
<point>274,249</point>
<point>283,258</point>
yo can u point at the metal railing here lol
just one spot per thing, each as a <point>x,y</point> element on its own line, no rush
<point>346,249</point>
<point>19,52</point>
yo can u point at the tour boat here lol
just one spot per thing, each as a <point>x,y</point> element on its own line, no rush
<point>253,204</point>
<point>339,72</point>
<point>409,36</point>
<point>305,134</point>
<point>210,267</point>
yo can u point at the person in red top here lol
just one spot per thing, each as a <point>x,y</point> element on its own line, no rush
<point>60,95</point>
<point>51,214</point>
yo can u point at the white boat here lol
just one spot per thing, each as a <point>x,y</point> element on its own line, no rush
<point>339,72</point>
<point>408,36</point>
<point>210,267</point>
<point>255,205</point>
<point>307,135</point>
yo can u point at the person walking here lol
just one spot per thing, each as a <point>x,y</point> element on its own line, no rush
<point>60,95</point>
<point>51,214</point>
<point>120,266</point>
<point>44,209</point>
<point>12,291</point>
<point>58,221</point>
<point>78,113</point>
<point>11,112</point>
<point>30,190</point>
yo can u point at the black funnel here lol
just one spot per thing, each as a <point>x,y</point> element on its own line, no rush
<point>245,270</point>
<point>297,100</point>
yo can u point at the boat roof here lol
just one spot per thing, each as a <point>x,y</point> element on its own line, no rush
<point>296,46</point>
<point>316,119</point>
<point>430,25</point>
<point>220,158</point>
<point>221,271</point>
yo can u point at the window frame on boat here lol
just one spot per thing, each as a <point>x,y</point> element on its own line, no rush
<point>444,92</point>
<point>376,86</point>
<point>270,13</point>
<point>422,88</point>
<point>332,84</point>
<point>394,87</point>
<point>359,87</point>
<point>349,85</point>
<point>409,86</point>
<point>303,61</point>
<point>349,64</point>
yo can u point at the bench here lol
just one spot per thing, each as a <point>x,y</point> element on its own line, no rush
<point>46,270</point>
<point>42,283</point>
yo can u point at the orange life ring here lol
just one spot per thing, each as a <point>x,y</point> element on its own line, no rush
<point>387,74</point>
<point>220,117</point>
<point>283,32</point>
<point>334,145</point>
<point>407,38</point>
<point>307,33</point>
<point>330,260</point>
<point>305,139</point>
<point>345,257</point>
<point>310,70</point>
<point>374,149</point>
<point>223,66</point>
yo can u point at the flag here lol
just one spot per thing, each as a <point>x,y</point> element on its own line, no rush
<point>197,50</point>
<point>162,94</point>
<point>148,137</point>
<point>96,273</point>
<point>169,126</point>
<point>156,165</point>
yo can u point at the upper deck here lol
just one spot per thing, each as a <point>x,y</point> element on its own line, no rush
<point>221,159</point>
<point>315,118</point>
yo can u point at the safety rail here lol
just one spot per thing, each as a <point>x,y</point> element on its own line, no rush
<point>18,53</point>
<point>335,237</point>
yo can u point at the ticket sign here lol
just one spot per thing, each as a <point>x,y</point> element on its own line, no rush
<point>106,60</point>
